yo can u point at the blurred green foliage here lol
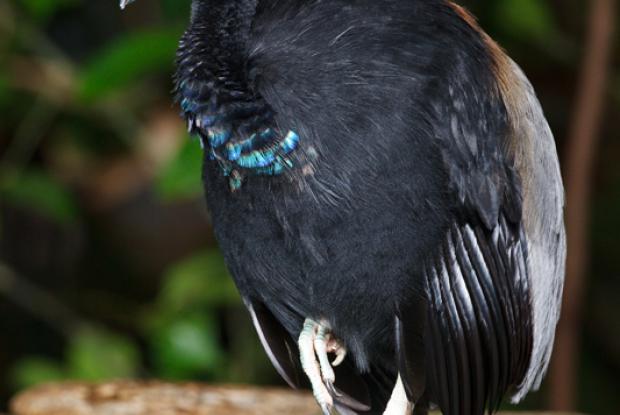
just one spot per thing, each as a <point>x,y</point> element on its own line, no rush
<point>101,197</point>
<point>179,327</point>
<point>92,354</point>
<point>119,65</point>
<point>180,330</point>
<point>38,190</point>
<point>177,333</point>
<point>173,182</point>
<point>531,20</point>
<point>42,10</point>
<point>4,90</point>
<point>185,346</point>
<point>187,285</point>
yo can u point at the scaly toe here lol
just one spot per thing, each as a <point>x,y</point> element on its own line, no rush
<point>313,369</point>
<point>320,347</point>
<point>332,389</point>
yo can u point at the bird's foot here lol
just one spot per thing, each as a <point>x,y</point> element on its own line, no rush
<point>316,341</point>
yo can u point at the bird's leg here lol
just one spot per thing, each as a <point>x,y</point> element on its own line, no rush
<point>311,367</point>
<point>398,404</point>
<point>320,348</point>
<point>316,341</point>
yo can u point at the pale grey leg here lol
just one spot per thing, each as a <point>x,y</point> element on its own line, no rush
<point>320,348</point>
<point>307,341</point>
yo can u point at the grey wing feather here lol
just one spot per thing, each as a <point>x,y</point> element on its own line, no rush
<point>537,162</point>
<point>478,334</point>
<point>278,344</point>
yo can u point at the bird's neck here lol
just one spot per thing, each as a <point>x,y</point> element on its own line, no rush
<point>216,89</point>
<point>225,22</point>
<point>212,52</point>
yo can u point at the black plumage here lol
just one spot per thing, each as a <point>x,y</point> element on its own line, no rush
<point>382,166</point>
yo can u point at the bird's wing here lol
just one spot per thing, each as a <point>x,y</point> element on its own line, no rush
<point>529,150</point>
<point>469,340</point>
<point>477,340</point>
<point>478,333</point>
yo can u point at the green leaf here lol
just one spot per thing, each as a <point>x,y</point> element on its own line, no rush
<point>529,19</point>
<point>181,178</point>
<point>32,371</point>
<point>38,191</point>
<point>5,92</point>
<point>201,280</point>
<point>186,346</point>
<point>176,8</point>
<point>42,10</point>
<point>96,355</point>
<point>127,60</point>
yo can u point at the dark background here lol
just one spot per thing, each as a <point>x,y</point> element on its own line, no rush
<point>108,267</point>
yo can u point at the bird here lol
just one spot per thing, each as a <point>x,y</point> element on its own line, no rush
<point>386,193</point>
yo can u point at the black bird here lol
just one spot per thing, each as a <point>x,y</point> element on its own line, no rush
<point>385,190</point>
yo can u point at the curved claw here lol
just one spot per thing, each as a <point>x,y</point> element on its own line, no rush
<point>332,390</point>
<point>326,409</point>
<point>341,353</point>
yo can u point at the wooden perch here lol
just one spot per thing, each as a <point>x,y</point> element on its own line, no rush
<point>157,398</point>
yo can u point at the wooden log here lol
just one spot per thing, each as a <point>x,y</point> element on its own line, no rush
<point>158,398</point>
